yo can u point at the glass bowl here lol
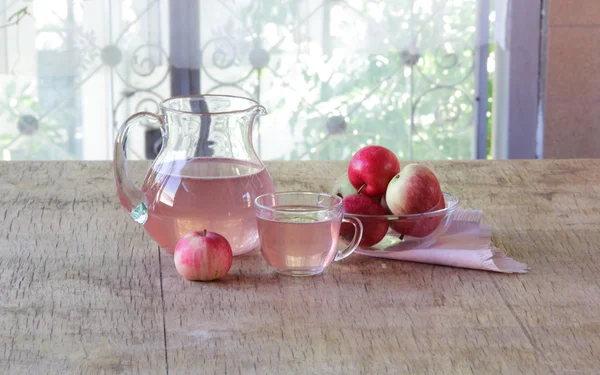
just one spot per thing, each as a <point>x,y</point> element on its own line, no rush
<point>405,232</point>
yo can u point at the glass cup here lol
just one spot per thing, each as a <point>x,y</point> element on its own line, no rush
<point>298,231</point>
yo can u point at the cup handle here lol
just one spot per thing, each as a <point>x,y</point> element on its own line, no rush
<point>358,232</point>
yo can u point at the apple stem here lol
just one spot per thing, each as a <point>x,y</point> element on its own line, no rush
<point>401,237</point>
<point>362,187</point>
<point>204,234</point>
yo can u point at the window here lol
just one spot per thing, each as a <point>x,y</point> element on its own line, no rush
<point>335,75</point>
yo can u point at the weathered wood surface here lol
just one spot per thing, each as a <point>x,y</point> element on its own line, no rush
<point>80,287</point>
<point>84,290</point>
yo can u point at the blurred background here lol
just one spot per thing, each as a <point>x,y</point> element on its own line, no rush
<point>429,79</point>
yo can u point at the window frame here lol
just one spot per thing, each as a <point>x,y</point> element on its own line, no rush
<point>518,81</point>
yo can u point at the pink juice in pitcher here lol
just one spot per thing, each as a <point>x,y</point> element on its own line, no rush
<point>302,243</point>
<point>216,194</point>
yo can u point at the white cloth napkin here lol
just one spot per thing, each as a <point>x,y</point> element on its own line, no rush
<point>466,244</point>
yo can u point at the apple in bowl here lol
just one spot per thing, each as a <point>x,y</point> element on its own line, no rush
<point>371,169</point>
<point>415,190</point>
<point>374,228</point>
<point>343,187</point>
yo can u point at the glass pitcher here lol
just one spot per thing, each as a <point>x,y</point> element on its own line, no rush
<point>206,175</point>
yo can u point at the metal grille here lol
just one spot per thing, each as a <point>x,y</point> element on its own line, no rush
<point>335,74</point>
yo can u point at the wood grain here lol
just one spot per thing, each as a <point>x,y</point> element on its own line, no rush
<point>548,214</point>
<point>80,286</point>
<point>79,282</point>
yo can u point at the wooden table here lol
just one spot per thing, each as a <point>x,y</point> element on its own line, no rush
<point>83,289</point>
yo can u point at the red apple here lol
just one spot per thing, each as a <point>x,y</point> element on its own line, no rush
<point>415,190</point>
<point>203,256</point>
<point>342,187</point>
<point>373,167</point>
<point>374,229</point>
<point>424,226</point>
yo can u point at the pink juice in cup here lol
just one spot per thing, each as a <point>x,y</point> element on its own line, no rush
<point>299,231</point>
<point>302,243</point>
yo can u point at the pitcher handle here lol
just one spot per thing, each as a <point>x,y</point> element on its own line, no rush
<point>131,197</point>
<point>358,232</point>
